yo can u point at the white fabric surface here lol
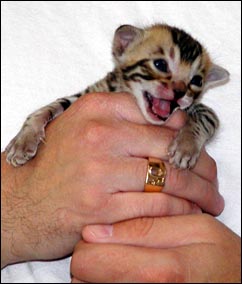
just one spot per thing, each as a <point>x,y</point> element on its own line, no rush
<point>53,49</point>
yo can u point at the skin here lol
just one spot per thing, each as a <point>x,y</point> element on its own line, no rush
<point>92,171</point>
<point>177,249</point>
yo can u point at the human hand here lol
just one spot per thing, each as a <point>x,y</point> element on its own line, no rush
<point>177,249</point>
<point>91,171</point>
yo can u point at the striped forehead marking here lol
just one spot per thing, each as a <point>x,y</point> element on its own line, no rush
<point>190,49</point>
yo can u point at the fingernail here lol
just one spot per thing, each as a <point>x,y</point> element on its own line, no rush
<point>100,231</point>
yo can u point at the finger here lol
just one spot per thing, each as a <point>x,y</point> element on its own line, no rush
<point>119,263</point>
<point>131,173</point>
<point>206,167</point>
<point>128,139</point>
<point>153,141</point>
<point>116,174</point>
<point>121,106</point>
<point>177,120</point>
<point>145,140</point>
<point>127,174</point>
<point>130,205</point>
<point>134,263</point>
<point>126,107</point>
<point>188,185</point>
<point>165,232</point>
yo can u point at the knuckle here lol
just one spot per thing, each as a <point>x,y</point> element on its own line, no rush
<point>97,102</point>
<point>177,179</point>
<point>172,272</point>
<point>168,136</point>
<point>140,170</point>
<point>94,132</point>
<point>142,227</point>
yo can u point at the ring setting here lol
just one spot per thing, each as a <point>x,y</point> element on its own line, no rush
<point>156,175</point>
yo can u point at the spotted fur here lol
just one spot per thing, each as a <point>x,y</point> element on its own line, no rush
<point>165,69</point>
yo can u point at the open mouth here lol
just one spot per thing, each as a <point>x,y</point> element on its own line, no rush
<point>159,109</point>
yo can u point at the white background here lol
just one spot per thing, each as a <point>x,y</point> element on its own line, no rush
<point>53,49</point>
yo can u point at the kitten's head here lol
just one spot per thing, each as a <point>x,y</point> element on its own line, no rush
<point>164,68</point>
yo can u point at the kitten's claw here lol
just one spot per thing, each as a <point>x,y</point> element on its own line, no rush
<point>183,153</point>
<point>23,146</point>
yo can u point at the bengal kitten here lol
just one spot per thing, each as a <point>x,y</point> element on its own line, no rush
<point>165,69</point>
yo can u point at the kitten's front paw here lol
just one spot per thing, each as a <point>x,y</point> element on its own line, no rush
<point>183,152</point>
<point>23,146</point>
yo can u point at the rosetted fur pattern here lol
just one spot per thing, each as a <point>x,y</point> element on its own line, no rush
<point>165,69</point>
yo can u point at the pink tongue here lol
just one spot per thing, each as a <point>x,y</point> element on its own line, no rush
<point>161,107</point>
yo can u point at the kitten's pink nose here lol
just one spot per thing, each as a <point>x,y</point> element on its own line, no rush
<point>179,88</point>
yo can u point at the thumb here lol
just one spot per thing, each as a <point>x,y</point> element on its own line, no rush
<point>177,120</point>
<point>165,232</point>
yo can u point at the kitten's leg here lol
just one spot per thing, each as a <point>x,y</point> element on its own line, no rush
<point>24,145</point>
<point>186,147</point>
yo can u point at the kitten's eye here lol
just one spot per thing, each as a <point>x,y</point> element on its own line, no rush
<point>197,81</point>
<point>161,65</point>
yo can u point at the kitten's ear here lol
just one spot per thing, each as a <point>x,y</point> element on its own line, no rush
<point>124,36</point>
<point>216,75</point>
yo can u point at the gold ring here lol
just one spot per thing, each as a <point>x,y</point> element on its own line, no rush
<point>156,175</point>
